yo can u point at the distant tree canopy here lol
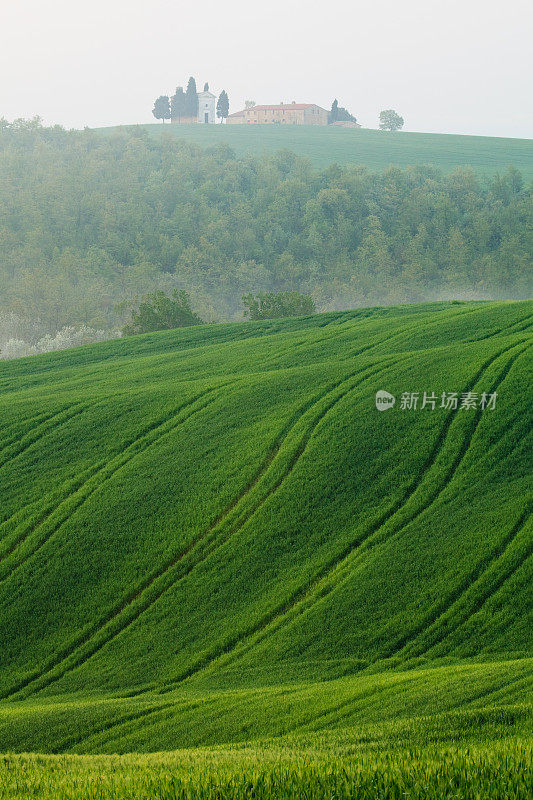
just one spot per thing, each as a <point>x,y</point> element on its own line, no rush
<point>389,120</point>
<point>89,221</point>
<point>161,109</point>
<point>339,114</point>
<point>275,305</point>
<point>158,312</point>
<point>223,105</point>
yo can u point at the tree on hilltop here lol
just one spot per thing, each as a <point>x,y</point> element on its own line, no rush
<point>223,105</point>
<point>206,87</point>
<point>178,104</point>
<point>161,109</point>
<point>191,99</point>
<point>339,114</point>
<point>389,120</point>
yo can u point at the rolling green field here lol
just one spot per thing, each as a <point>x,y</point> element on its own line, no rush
<point>374,149</point>
<point>213,544</point>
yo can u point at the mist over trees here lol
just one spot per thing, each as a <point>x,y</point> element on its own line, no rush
<point>89,221</point>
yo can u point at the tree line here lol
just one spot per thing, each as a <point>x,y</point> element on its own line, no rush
<point>183,105</point>
<point>92,221</point>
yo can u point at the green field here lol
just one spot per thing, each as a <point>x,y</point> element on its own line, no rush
<point>374,149</point>
<point>214,545</point>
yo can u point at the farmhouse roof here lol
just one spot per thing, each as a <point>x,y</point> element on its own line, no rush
<point>275,107</point>
<point>283,106</point>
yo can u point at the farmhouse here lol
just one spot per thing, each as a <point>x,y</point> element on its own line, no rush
<point>282,114</point>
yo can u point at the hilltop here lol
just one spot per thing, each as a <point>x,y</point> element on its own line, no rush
<point>376,150</point>
<point>211,535</point>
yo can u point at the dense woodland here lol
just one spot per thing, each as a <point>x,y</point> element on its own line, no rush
<point>89,222</point>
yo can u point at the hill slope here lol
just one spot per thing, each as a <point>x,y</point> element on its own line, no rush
<point>373,149</point>
<point>219,517</point>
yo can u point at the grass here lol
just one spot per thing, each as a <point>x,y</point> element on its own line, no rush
<point>373,149</point>
<point>210,537</point>
<point>342,766</point>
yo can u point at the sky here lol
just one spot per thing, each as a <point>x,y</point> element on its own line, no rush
<point>448,66</point>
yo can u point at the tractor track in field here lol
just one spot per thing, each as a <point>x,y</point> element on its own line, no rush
<point>278,617</point>
<point>468,585</point>
<point>306,597</point>
<point>72,485</point>
<point>347,702</point>
<point>37,419</point>
<point>164,578</point>
<point>408,639</point>
<point>177,705</point>
<point>88,483</point>
<point>506,329</point>
<point>51,423</point>
<point>340,329</point>
<point>494,690</point>
<point>67,744</point>
<point>38,677</point>
<point>349,706</point>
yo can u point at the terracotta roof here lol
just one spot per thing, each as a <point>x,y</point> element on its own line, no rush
<point>277,107</point>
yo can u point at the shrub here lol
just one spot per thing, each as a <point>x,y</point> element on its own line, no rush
<point>273,305</point>
<point>159,312</point>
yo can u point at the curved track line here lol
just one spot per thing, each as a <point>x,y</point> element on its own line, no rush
<point>399,332</point>
<point>350,705</point>
<point>29,518</point>
<point>491,690</point>
<point>469,585</point>
<point>99,475</point>
<point>430,619</point>
<point>26,441</point>
<point>153,579</point>
<point>178,705</point>
<point>528,319</point>
<point>37,419</point>
<point>154,586</point>
<point>303,599</point>
<point>67,744</point>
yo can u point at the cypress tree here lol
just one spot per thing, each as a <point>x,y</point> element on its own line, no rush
<point>191,95</point>
<point>178,104</point>
<point>223,105</point>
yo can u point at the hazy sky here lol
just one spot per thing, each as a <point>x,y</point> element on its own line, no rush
<point>454,66</point>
